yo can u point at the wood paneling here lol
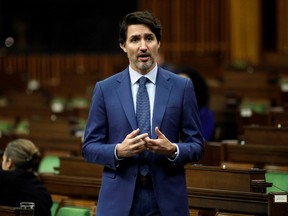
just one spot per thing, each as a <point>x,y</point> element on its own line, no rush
<point>282,26</point>
<point>191,27</point>
<point>245,30</point>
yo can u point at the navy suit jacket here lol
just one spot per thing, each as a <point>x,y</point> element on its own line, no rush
<point>112,118</point>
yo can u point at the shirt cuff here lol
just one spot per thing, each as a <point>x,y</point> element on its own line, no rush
<point>174,158</point>
<point>115,154</point>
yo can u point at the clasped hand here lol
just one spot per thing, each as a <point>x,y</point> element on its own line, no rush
<point>134,144</point>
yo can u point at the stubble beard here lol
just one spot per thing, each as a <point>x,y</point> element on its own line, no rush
<point>144,66</point>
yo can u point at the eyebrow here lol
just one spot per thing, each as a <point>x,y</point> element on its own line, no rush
<point>145,35</point>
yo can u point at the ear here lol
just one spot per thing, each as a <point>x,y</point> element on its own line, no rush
<point>159,45</point>
<point>122,46</point>
<point>9,164</point>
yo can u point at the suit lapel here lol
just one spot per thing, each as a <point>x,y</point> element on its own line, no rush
<point>125,98</point>
<point>163,88</point>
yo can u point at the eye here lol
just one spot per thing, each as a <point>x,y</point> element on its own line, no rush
<point>150,38</point>
<point>134,39</point>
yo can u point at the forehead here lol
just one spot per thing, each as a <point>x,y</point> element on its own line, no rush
<point>138,30</point>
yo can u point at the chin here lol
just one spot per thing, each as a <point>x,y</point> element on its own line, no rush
<point>144,65</point>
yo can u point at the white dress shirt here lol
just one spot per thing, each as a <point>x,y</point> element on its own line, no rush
<point>151,86</point>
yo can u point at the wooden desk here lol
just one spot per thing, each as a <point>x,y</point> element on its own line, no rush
<point>8,211</point>
<point>266,135</point>
<point>228,190</point>
<point>223,194</point>
<point>228,201</point>
<point>212,177</point>
<point>15,211</point>
<point>277,204</point>
<point>260,204</point>
<point>74,186</point>
<point>68,145</point>
<point>199,198</point>
<point>260,155</point>
<point>212,156</point>
<point>76,178</point>
<point>77,166</point>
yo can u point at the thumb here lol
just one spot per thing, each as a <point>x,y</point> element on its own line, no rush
<point>159,133</point>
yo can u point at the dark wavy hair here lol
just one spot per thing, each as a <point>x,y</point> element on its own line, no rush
<point>139,17</point>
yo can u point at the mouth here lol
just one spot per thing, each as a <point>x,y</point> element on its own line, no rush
<point>144,57</point>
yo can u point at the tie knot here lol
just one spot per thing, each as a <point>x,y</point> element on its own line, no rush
<point>143,80</point>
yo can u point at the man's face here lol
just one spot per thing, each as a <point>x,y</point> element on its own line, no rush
<point>141,47</point>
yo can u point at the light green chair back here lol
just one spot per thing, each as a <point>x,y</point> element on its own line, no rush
<point>54,208</point>
<point>48,163</point>
<point>73,211</point>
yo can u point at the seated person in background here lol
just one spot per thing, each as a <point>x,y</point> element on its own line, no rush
<point>161,61</point>
<point>202,96</point>
<point>18,183</point>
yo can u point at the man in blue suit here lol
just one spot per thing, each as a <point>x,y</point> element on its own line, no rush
<point>113,137</point>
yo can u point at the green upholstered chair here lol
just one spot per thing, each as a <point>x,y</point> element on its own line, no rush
<point>73,211</point>
<point>6,127</point>
<point>78,207</point>
<point>57,200</point>
<point>48,164</point>
<point>279,180</point>
<point>54,208</point>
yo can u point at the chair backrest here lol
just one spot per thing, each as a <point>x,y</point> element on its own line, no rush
<point>73,211</point>
<point>81,206</point>
<point>194,212</point>
<point>56,202</point>
<point>49,164</point>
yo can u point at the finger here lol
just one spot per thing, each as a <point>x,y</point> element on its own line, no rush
<point>140,146</point>
<point>133,133</point>
<point>150,143</point>
<point>143,136</point>
<point>140,138</point>
<point>147,139</point>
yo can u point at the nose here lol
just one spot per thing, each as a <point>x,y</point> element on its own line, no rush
<point>143,45</point>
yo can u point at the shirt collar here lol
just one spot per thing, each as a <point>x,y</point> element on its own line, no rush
<point>135,76</point>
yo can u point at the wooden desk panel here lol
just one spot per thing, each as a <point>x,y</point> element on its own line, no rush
<point>77,166</point>
<point>276,208</point>
<point>260,155</point>
<point>269,135</point>
<point>199,198</point>
<point>230,201</point>
<point>252,180</point>
<point>62,145</point>
<point>8,211</point>
<point>71,185</point>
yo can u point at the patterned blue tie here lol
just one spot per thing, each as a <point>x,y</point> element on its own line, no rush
<point>143,120</point>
